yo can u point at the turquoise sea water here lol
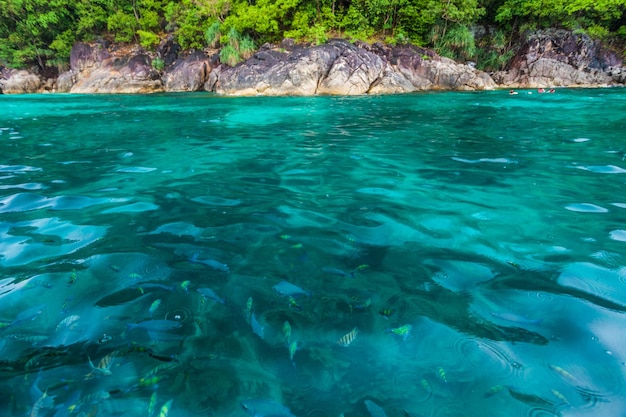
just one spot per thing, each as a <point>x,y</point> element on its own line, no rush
<point>447,254</point>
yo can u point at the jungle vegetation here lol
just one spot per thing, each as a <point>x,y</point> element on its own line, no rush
<point>41,32</point>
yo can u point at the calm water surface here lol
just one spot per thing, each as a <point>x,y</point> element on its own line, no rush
<point>437,254</point>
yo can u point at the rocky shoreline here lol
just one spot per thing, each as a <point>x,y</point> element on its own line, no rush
<point>545,59</point>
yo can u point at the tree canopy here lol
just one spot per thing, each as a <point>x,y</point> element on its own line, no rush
<point>42,32</point>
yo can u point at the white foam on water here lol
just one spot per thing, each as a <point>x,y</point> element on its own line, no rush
<point>178,229</point>
<point>21,250</point>
<point>74,162</point>
<point>383,192</point>
<point>488,160</point>
<point>603,169</point>
<point>586,208</point>
<point>26,186</point>
<point>618,235</point>
<point>135,170</point>
<point>216,201</point>
<point>18,168</point>
<point>132,208</point>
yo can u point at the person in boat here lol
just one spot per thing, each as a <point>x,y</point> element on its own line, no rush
<point>512,92</point>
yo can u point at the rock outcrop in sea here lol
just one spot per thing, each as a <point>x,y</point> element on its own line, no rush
<point>560,58</point>
<point>19,82</point>
<point>335,68</point>
<point>95,69</point>
<point>545,59</point>
<point>188,73</point>
<point>341,68</point>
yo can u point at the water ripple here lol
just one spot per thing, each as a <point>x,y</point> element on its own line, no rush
<point>595,280</point>
<point>485,356</point>
<point>30,201</point>
<point>216,201</point>
<point>135,170</point>
<point>586,208</point>
<point>132,208</point>
<point>603,169</point>
<point>25,247</point>
<point>421,221</point>
<point>618,234</point>
<point>542,412</point>
<point>18,168</point>
<point>488,160</point>
<point>25,186</point>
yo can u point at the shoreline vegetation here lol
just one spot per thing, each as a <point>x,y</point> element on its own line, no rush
<point>304,47</point>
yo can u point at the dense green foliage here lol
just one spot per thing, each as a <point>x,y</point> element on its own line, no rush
<point>41,32</point>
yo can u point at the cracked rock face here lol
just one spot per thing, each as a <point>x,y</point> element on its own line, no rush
<point>353,72</point>
<point>341,68</point>
<point>276,72</point>
<point>548,58</point>
<point>561,58</point>
<point>335,68</point>
<point>188,74</point>
<point>96,70</point>
<point>19,82</point>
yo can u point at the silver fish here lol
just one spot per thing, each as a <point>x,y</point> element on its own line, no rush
<point>374,409</point>
<point>156,325</point>
<point>286,288</point>
<point>44,402</point>
<point>337,271</point>
<point>209,293</point>
<point>28,314</point>
<point>42,399</point>
<point>256,326</point>
<point>104,366</point>
<point>68,322</point>
<point>210,263</point>
<point>35,392</point>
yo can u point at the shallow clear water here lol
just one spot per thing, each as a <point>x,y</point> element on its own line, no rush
<point>454,254</point>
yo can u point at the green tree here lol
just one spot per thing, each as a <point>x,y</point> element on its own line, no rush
<point>28,28</point>
<point>562,13</point>
<point>266,19</point>
<point>190,19</point>
<point>42,32</point>
<point>92,18</point>
<point>383,16</point>
<point>450,33</point>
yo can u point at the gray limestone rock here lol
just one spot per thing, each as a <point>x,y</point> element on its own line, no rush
<point>127,73</point>
<point>65,81</point>
<point>188,74</point>
<point>19,82</point>
<point>342,68</point>
<point>561,58</point>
